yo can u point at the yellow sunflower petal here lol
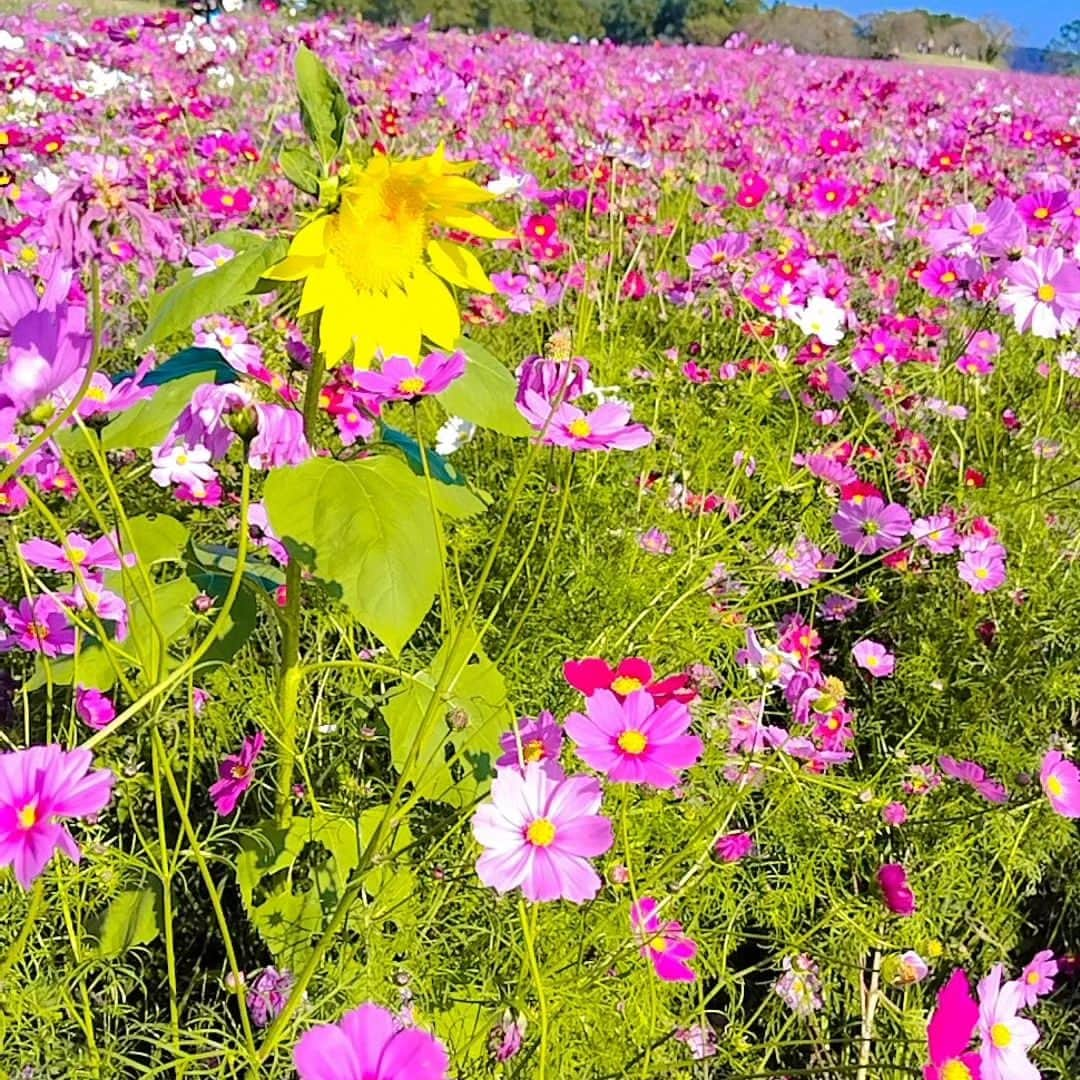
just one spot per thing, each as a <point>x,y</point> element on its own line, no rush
<point>315,291</point>
<point>454,217</point>
<point>291,269</point>
<point>335,333</point>
<point>435,307</point>
<point>458,265</point>
<point>310,241</point>
<point>456,189</point>
<point>398,330</point>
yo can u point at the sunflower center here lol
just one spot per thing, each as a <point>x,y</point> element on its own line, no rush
<point>412,385</point>
<point>540,833</point>
<point>632,742</point>
<point>1046,293</point>
<point>1001,1035</point>
<point>533,750</point>
<point>27,816</point>
<point>1055,787</point>
<point>579,428</point>
<point>625,684</point>
<point>378,237</point>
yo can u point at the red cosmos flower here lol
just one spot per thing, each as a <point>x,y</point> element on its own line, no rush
<point>594,673</point>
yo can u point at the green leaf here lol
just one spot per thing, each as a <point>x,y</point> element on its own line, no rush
<point>473,713</point>
<point>190,362</point>
<point>132,918</point>
<point>300,169</point>
<point>147,423</point>
<point>366,528</point>
<point>448,487</point>
<point>323,106</point>
<point>193,297</point>
<point>90,667</point>
<point>154,538</point>
<point>485,393</point>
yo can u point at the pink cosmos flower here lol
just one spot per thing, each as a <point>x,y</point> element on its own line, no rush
<point>209,257</point>
<point>935,533</point>
<point>894,813</point>
<point>984,570</point>
<point>1037,979</point>
<point>607,427</point>
<point>268,995</point>
<point>280,439</point>
<point>593,673</point>
<point>1060,779</point>
<point>38,625</point>
<point>231,340</point>
<point>236,773</point>
<point>892,879</point>
<point>539,833</point>
<point>1043,292</point>
<point>94,708</point>
<point>101,554</point>
<point>663,943</point>
<point>873,657</point>
<point>975,775</point>
<point>871,525</point>
<point>369,1043</point>
<point>830,196</point>
<point>533,740</point>
<point>1041,209</point>
<point>400,380</point>
<point>994,231</point>
<point>950,1031</point>
<point>222,201</point>
<point>38,786</point>
<point>1006,1037</point>
<point>733,846</point>
<point>634,741</point>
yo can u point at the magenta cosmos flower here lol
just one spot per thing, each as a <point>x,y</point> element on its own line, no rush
<point>235,774</point>
<point>635,741</point>
<point>984,571</point>
<point>874,658</point>
<point>539,832</point>
<point>401,380</point>
<point>369,1043</point>
<point>38,787</point>
<point>892,879</point>
<point>101,554</point>
<point>975,775</point>
<point>38,625</point>
<point>950,1031</point>
<point>1060,779</point>
<point>1006,1037</point>
<point>536,739</point>
<point>664,943</point>
<point>732,847</point>
<point>871,525</point>
<point>1043,292</point>
<point>634,673</point>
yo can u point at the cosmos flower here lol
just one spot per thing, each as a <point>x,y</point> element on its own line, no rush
<point>1006,1037</point>
<point>536,739</point>
<point>38,787</point>
<point>94,709</point>
<point>37,625</point>
<point>874,658</point>
<point>950,1032</point>
<point>398,379</point>
<point>893,881</point>
<point>373,268</point>
<point>1042,292</point>
<point>731,847</point>
<point>539,833</point>
<point>607,427</point>
<point>975,775</point>
<point>872,525</point>
<point>235,774</point>
<point>1060,779</point>
<point>664,943</point>
<point>820,317</point>
<point>1037,978</point>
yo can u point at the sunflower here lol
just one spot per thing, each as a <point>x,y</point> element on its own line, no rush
<point>374,268</point>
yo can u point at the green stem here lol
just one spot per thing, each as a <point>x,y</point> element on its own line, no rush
<point>541,1000</point>
<point>15,950</point>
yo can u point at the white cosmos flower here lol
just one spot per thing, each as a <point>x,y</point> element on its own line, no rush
<point>821,318</point>
<point>453,435</point>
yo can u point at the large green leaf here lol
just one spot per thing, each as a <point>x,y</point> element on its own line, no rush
<point>132,918</point>
<point>193,297</point>
<point>468,720</point>
<point>323,106</point>
<point>300,169</point>
<point>485,393</point>
<point>366,528</point>
<point>147,423</point>
<point>154,538</point>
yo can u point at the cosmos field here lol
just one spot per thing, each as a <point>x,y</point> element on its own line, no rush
<point>533,560</point>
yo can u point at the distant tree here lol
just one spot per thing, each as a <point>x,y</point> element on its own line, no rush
<point>507,15</point>
<point>447,13</point>
<point>1000,38</point>
<point>808,30</point>
<point>630,21</point>
<point>562,19</point>
<point>711,22</point>
<point>1064,50</point>
<point>895,32</point>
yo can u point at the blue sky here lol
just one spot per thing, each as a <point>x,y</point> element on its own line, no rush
<point>1036,21</point>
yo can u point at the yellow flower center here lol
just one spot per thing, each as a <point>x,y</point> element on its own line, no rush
<point>533,750</point>
<point>240,772</point>
<point>633,742</point>
<point>955,1070</point>
<point>378,236</point>
<point>181,459</point>
<point>78,556</point>
<point>658,943</point>
<point>96,393</point>
<point>982,573</point>
<point>1055,787</point>
<point>948,277</point>
<point>1041,213</point>
<point>540,833</point>
<point>1033,977</point>
<point>1000,1035</point>
<point>976,228</point>
<point>579,428</point>
<point>625,684</point>
<point>1046,293</point>
<point>39,630</point>
<point>227,200</point>
<point>412,385</point>
<point>28,816</point>
<point>228,340</point>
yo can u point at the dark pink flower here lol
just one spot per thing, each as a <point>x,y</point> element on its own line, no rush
<point>664,943</point>
<point>893,881</point>
<point>236,773</point>
<point>950,1031</point>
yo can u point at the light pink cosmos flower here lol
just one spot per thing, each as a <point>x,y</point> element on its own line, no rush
<point>369,1043</point>
<point>539,833</point>
<point>664,943</point>
<point>1006,1037</point>
<point>536,739</point>
<point>1037,979</point>
<point>984,571</point>
<point>400,380</point>
<point>85,554</point>
<point>950,1030</point>
<point>634,741</point>
<point>1043,292</point>
<point>874,658</point>
<point>972,773</point>
<point>1060,779</point>
<point>607,427</point>
<point>210,257</point>
<point>236,772</point>
<point>38,787</point>
<point>871,525</point>
<point>935,533</point>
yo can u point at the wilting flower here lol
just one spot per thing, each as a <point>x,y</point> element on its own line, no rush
<point>700,1039</point>
<point>874,658</point>
<point>507,1037</point>
<point>1060,779</point>
<point>94,708</point>
<point>950,1031</point>
<point>533,740</point>
<point>975,775</point>
<point>734,846</point>
<point>1006,1037</point>
<point>893,881</point>
<point>635,741</point>
<point>539,832</point>
<point>1037,979</point>
<point>400,380</point>
<point>280,439</point>
<point>372,266</point>
<point>268,995</point>
<point>236,772</point>
<point>663,943</point>
<point>800,985</point>
<point>38,787</point>
<point>908,968</point>
<point>370,1044</point>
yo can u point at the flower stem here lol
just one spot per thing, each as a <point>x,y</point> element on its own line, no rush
<point>528,930</point>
